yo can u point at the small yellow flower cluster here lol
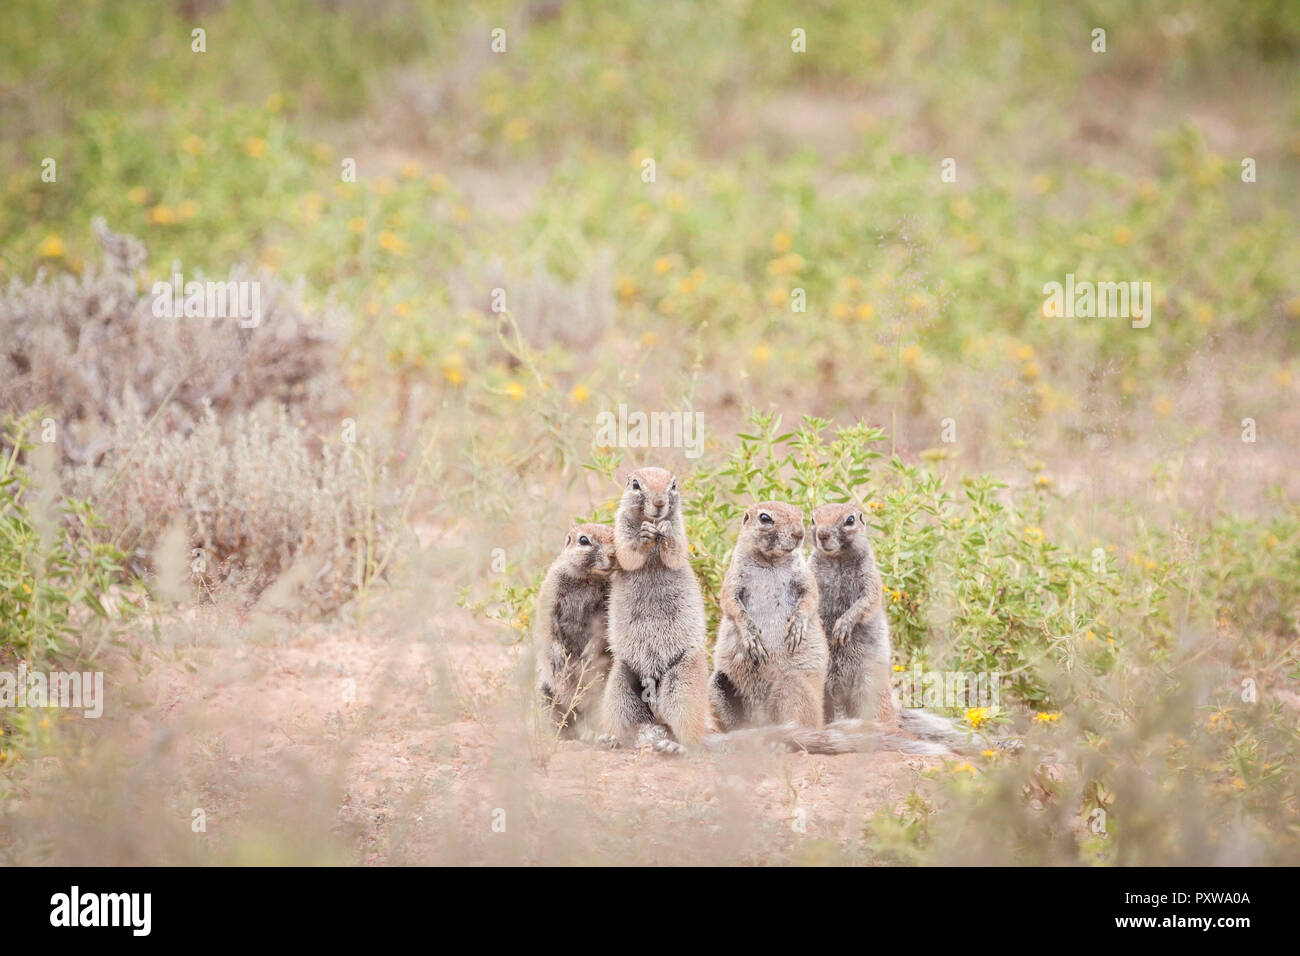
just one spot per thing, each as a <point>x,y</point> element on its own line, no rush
<point>392,243</point>
<point>452,369</point>
<point>518,130</point>
<point>626,288</point>
<point>688,284</point>
<point>791,264</point>
<point>165,215</point>
<point>851,286</point>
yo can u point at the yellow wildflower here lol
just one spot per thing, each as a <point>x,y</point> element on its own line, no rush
<point>391,242</point>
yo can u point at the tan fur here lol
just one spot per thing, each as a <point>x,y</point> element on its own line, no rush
<point>861,709</point>
<point>852,611</point>
<point>571,629</point>
<point>656,694</point>
<point>860,699</point>
<point>770,656</point>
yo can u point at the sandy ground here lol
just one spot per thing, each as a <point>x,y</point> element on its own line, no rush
<point>342,744</point>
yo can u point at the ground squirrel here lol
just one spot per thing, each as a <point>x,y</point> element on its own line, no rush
<point>572,628</point>
<point>852,611</point>
<point>658,681</point>
<point>860,703</point>
<point>770,656</point>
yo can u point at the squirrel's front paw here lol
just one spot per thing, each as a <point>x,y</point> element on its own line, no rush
<point>754,649</point>
<point>647,534</point>
<point>794,634</point>
<point>664,529</point>
<point>841,631</point>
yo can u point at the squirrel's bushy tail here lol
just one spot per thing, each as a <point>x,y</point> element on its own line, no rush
<point>923,733</point>
<point>940,730</point>
<point>838,737</point>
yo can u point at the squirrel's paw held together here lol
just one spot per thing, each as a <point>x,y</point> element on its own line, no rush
<point>795,632</point>
<point>841,631</point>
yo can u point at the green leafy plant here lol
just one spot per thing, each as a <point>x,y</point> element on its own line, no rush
<point>55,570</point>
<point>972,583</point>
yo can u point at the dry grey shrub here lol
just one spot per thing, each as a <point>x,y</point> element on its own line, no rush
<point>230,432</point>
<point>89,349</point>
<point>257,502</point>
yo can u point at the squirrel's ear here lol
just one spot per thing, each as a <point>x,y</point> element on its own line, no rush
<point>568,539</point>
<point>745,520</point>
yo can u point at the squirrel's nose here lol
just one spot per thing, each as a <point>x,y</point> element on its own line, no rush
<point>823,534</point>
<point>798,535</point>
<point>660,501</point>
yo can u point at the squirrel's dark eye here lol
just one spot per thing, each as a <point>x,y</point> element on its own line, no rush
<point>584,541</point>
<point>849,520</point>
<point>673,487</point>
<point>765,518</point>
<point>636,485</point>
